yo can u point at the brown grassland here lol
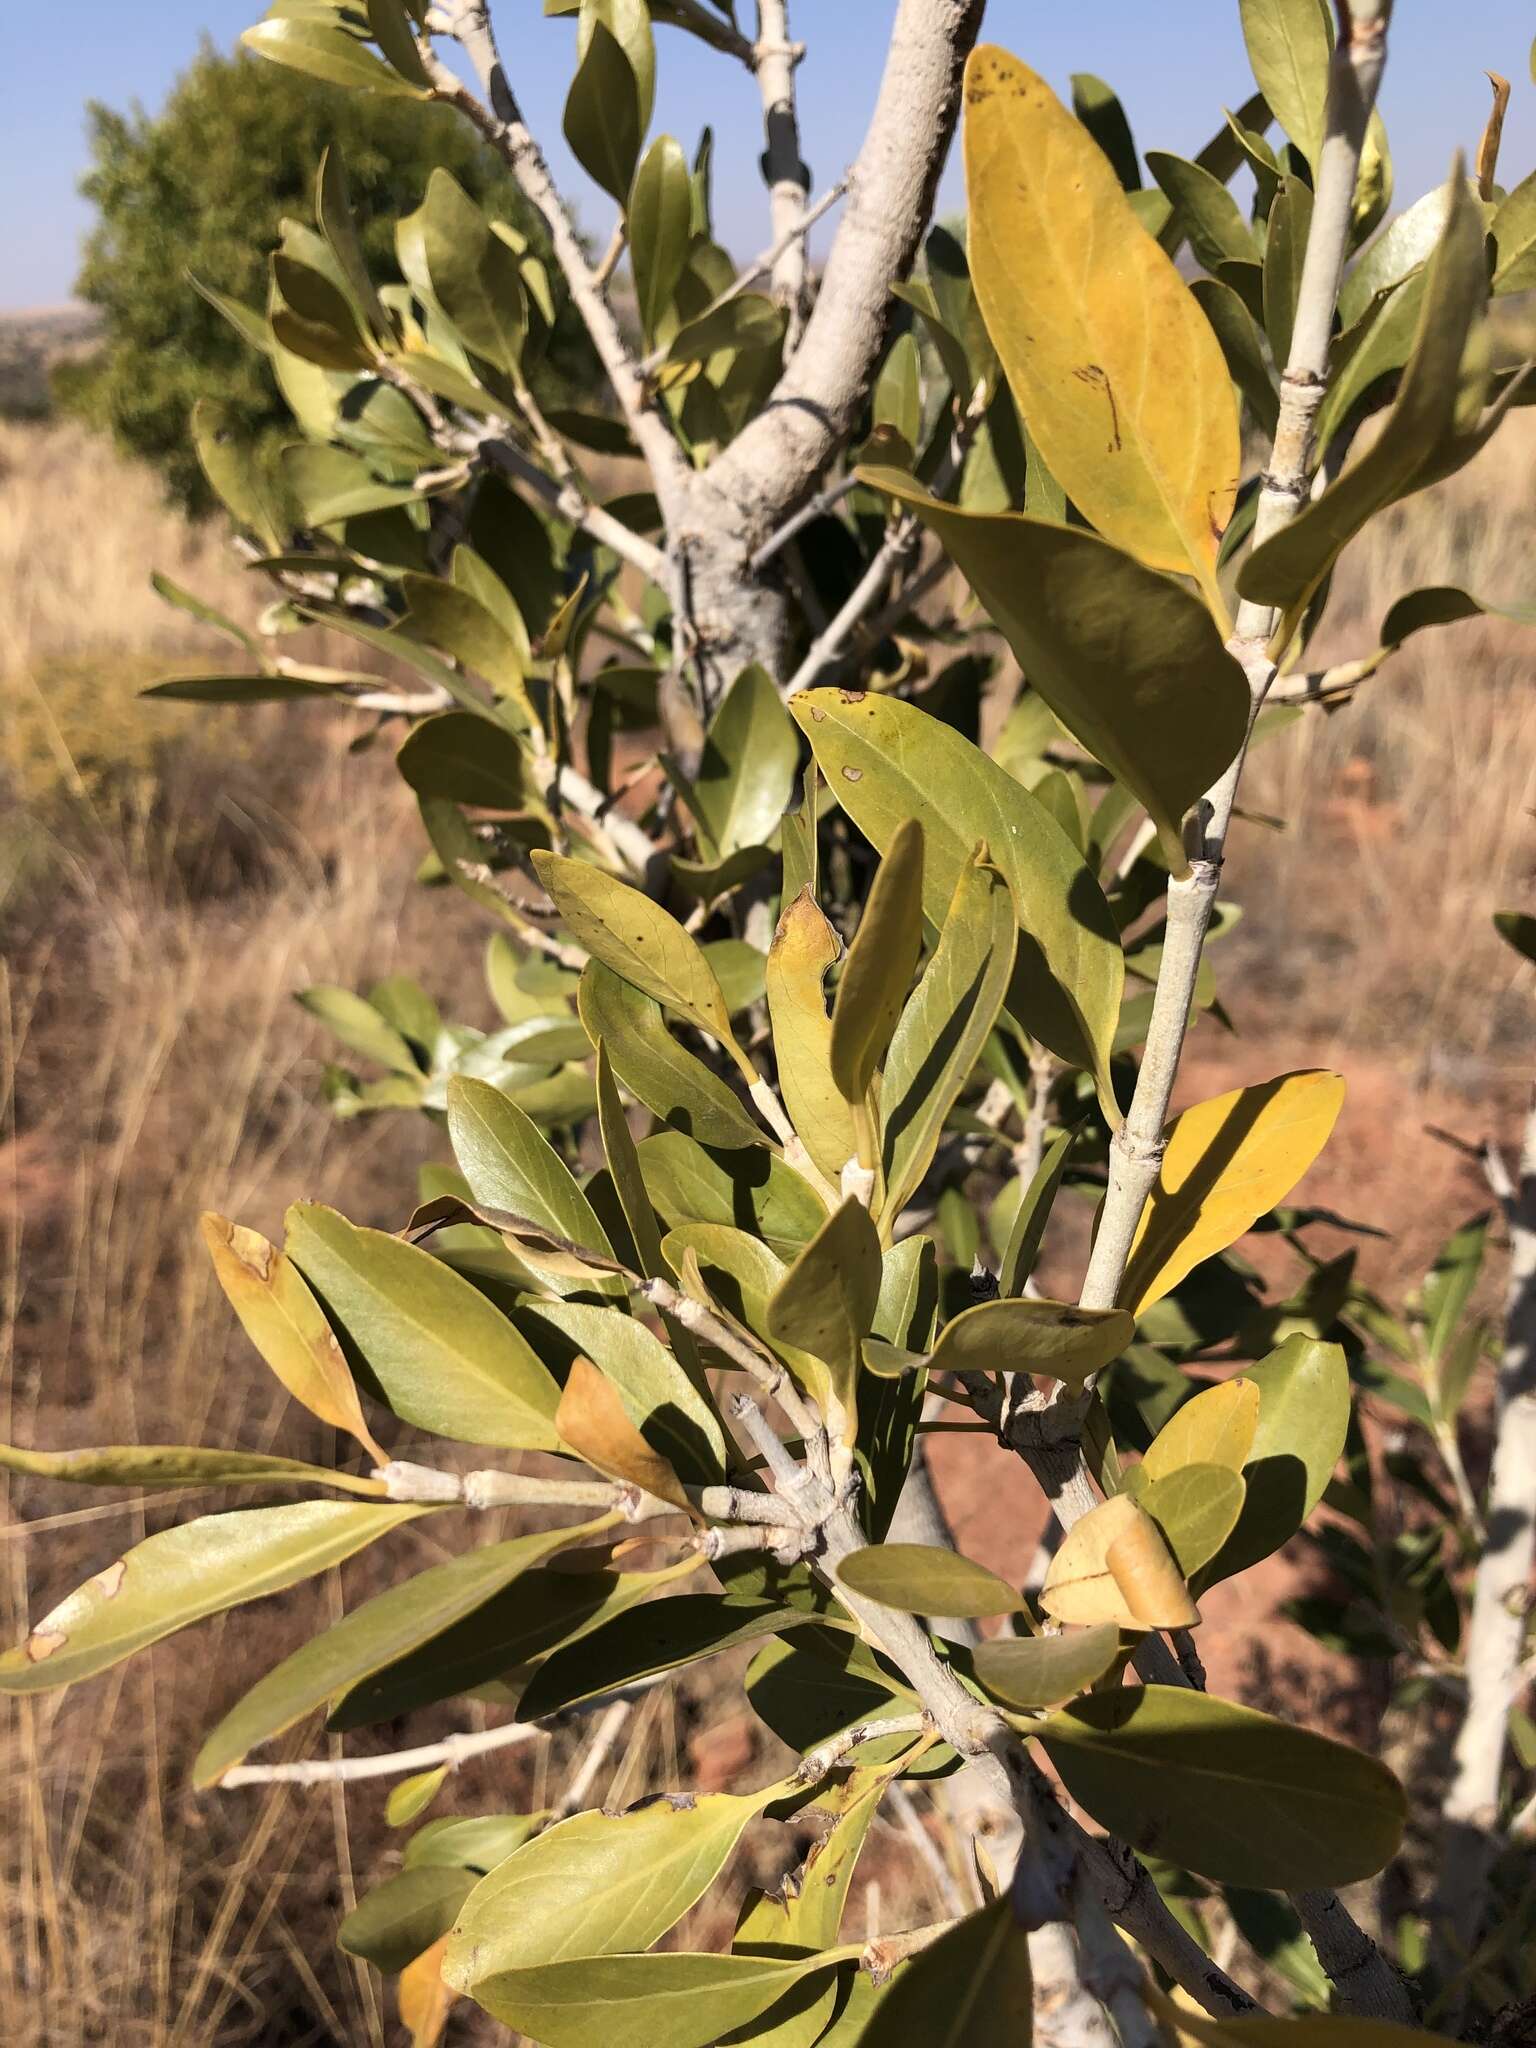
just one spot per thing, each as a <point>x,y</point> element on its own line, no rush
<point>167,880</point>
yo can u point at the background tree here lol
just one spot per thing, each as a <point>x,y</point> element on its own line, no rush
<point>200,187</point>
<point>728,1335</point>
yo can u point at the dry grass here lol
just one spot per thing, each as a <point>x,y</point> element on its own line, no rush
<point>152,1064</point>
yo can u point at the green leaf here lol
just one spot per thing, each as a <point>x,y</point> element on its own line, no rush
<point>1208,215</point>
<point>537,1612</point>
<point>456,621</point>
<point>284,1322</point>
<point>395,35</point>
<point>444,1358</point>
<point>1243,346</point>
<point>1032,1216</point>
<point>922,1578</point>
<point>474,275</point>
<point>1052,1337</point>
<point>659,1398</point>
<point>673,1083</point>
<point>747,773</point>
<point>1041,1671</point>
<point>638,2001</point>
<point>1098,107</point>
<point>402,1917</point>
<point>659,1637</point>
<point>1514,237</point>
<point>804,947</point>
<point>1449,1284</point>
<point>1289,45</point>
<point>358,1025</point>
<point>896,403</point>
<point>1123,388</point>
<point>466,758</point>
<point>825,1305</point>
<point>412,1796</point>
<point>881,962</point>
<point>1197,1508</point>
<point>1128,659</point>
<point>971,1989</point>
<point>599,1884</point>
<point>660,224</point>
<point>326,53</point>
<point>639,940</point>
<point>1229,1793</point>
<point>168,1465</point>
<point>750,1189</point>
<point>604,124</point>
<point>379,1633</point>
<point>185,1574</point>
<point>887,761</point>
<point>478,1842</point>
<point>1285,253</point>
<point>330,485</point>
<point>623,1157</point>
<point>510,1165</point>
<point>945,1025</point>
<point>1227,1162</point>
<point>1518,929</point>
<point>1423,421</point>
<point>1303,1421</point>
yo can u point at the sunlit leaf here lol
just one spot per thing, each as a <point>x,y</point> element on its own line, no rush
<point>1123,388</point>
<point>1113,1566</point>
<point>1227,1163</point>
<point>1040,1671</point>
<point>924,1579</point>
<point>804,948</point>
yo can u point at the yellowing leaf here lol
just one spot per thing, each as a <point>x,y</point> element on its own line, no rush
<point>425,2000</point>
<point>592,1420</point>
<point>804,947</point>
<point>1116,371</point>
<point>887,761</point>
<point>923,1578</point>
<point>1227,1163</point>
<point>1216,1428</point>
<point>1113,1566</point>
<point>412,1796</point>
<point>639,940</point>
<point>284,1321</point>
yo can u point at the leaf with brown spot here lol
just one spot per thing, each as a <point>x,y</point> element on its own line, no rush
<point>184,1575</point>
<point>284,1321</point>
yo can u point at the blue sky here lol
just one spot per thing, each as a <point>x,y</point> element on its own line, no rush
<point>1175,66</point>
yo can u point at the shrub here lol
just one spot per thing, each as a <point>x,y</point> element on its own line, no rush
<point>711,1259</point>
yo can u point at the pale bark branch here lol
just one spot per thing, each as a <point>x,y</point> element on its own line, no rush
<point>776,459</point>
<point>499,119</point>
<point>784,169</point>
<point>1501,1600</point>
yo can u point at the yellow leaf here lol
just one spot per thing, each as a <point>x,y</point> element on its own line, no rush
<point>881,963</point>
<point>1114,1566</point>
<point>425,1999</point>
<point>804,947</point>
<point>1228,1162</point>
<point>286,1324</point>
<point>1112,363</point>
<point>592,1420</point>
<point>1215,1428</point>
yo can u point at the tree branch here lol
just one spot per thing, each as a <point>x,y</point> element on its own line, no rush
<point>776,459</point>
<point>500,121</point>
<point>1501,1598</point>
<point>784,169</point>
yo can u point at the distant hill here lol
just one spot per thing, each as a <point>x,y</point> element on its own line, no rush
<point>30,344</point>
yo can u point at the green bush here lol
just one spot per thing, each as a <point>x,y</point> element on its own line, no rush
<point>201,187</point>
